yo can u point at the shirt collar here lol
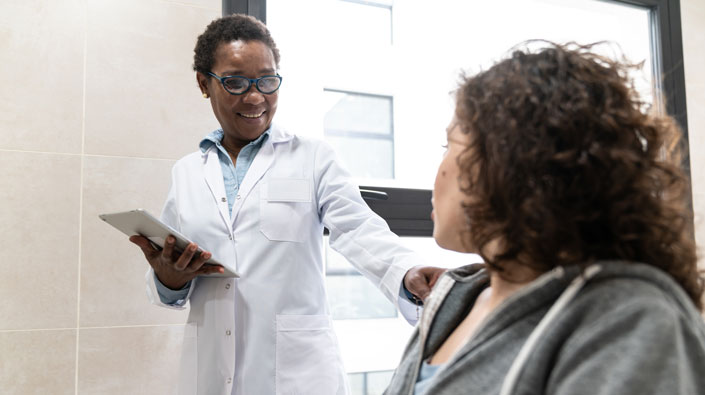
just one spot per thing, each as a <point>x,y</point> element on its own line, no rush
<point>216,137</point>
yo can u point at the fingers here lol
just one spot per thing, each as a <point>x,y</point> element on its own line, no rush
<point>423,289</point>
<point>145,245</point>
<point>168,250</point>
<point>181,265</point>
<point>192,260</point>
<point>430,276</point>
<point>199,261</point>
<point>416,283</point>
<point>420,280</point>
<point>185,258</point>
<point>210,269</point>
<point>435,274</point>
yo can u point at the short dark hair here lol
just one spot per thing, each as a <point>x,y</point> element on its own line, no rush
<point>566,166</point>
<point>227,29</point>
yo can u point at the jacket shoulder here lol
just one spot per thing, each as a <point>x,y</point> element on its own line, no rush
<point>633,308</point>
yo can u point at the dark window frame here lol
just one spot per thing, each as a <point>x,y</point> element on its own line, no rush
<point>256,8</point>
<point>405,209</point>
<point>667,44</point>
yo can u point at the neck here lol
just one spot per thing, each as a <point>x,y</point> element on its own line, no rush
<point>233,146</point>
<point>503,285</point>
<point>514,277</point>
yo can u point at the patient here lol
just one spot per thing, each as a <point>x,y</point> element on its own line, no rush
<point>572,193</point>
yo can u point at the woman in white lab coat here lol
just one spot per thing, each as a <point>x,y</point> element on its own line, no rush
<point>257,198</point>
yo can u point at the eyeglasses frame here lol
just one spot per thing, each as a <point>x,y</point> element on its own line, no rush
<point>251,81</point>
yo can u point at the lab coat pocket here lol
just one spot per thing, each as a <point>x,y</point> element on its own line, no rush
<point>283,205</point>
<point>188,370</point>
<point>307,358</point>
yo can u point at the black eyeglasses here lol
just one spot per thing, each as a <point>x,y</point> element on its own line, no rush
<point>237,85</point>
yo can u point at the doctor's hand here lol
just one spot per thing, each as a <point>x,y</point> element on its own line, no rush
<point>420,279</point>
<point>172,268</point>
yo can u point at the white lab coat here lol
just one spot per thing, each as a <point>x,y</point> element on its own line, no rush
<point>270,331</point>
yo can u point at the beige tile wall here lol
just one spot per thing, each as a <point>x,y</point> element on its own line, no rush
<point>693,21</point>
<point>98,99</point>
<point>41,52</point>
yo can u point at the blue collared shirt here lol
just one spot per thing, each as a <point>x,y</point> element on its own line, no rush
<point>233,174</point>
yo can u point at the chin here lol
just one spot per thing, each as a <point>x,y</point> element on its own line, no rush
<point>442,241</point>
<point>447,242</point>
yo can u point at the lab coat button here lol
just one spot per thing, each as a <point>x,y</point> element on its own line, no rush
<point>230,237</point>
<point>230,380</point>
<point>227,332</point>
<point>227,286</point>
<point>223,200</point>
<point>237,197</point>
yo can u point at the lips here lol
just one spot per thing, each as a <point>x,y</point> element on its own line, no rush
<point>252,114</point>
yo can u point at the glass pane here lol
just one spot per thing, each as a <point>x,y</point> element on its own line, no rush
<point>377,382</point>
<point>371,23</point>
<point>354,113</point>
<point>378,154</point>
<point>345,46</point>
<point>353,297</point>
<point>357,126</point>
<point>370,383</point>
<point>375,344</point>
<point>350,295</point>
<point>357,383</point>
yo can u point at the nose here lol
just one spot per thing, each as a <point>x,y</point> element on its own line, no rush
<point>253,96</point>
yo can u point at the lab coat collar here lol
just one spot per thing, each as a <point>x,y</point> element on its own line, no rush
<point>214,179</point>
<point>277,134</point>
<point>262,162</point>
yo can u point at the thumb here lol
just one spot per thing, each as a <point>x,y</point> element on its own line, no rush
<point>422,288</point>
<point>434,276</point>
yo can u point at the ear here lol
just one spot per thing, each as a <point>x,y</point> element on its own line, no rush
<point>202,81</point>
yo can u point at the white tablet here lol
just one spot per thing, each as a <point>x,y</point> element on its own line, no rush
<point>140,222</point>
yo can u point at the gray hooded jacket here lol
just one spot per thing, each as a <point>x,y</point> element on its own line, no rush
<point>617,328</point>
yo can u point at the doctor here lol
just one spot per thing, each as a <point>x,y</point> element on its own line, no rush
<point>257,198</point>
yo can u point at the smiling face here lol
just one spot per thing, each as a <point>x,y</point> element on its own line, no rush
<point>243,117</point>
<point>449,224</point>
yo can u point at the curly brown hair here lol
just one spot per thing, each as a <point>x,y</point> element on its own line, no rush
<point>565,166</point>
<point>226,29</point>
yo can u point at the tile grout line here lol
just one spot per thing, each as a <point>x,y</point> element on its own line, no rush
<point>92,327</point>
<point>80,196</point>
<point>38,152</point>
<point>90,155</point>
<point>36,330</point>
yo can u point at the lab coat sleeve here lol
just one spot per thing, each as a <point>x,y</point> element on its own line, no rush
<point>359,234</point>
<point>170,216</point>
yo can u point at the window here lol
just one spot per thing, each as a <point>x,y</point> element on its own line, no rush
<point>345,16</point>
<point>350,295</point>
<point>360,126</point>
<point>402,58</point>
<point>368,383</point>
